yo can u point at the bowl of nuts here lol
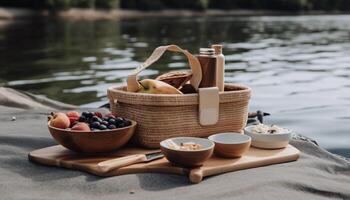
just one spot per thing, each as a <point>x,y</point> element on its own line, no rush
<point>187,151</point>
<point>268,136</point>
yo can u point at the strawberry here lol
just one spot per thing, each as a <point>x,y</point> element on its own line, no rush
<point>98,114</point>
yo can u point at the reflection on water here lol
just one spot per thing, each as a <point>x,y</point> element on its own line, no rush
<point>298,66</point>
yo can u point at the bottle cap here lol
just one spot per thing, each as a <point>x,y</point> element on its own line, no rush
<point>206,51</point>
<point>217,48</point>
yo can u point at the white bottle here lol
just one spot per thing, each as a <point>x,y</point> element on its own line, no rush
<point>220,67</point>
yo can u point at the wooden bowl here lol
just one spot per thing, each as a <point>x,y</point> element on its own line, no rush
<point>188,158</point>
<point>93,141</point>
<point>175,78</point>
<point>230,145</point>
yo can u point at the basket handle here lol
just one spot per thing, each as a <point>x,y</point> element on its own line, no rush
<point>132,83</point>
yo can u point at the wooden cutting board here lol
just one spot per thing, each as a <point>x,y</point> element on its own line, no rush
<point>62,157</point>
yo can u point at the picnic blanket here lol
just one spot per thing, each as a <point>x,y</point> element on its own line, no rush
<point>20,99</point>
<point>318,174</point>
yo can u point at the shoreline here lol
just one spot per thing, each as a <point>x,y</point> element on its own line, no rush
<point>93,14</point>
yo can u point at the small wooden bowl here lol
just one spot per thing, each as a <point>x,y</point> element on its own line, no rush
<point>185,158</point>
<point>230,145</point>
<point>175,78</point>
<point>93,141</point>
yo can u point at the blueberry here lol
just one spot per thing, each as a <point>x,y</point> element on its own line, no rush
<point>121,125</point>
<point>82,119</point>
<point>112,126</point>
<point>84,114</point>
<point>95,125</point>
<point>96,119</point>
<point>89,114</point>
<point>111,118</point>
<point>127,123</point>
<point>118,121</point>
<point>111,121</point>
<point>102,127</point>
<point>105,123</point>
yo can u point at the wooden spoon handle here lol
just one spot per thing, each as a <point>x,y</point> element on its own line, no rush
<point>117,163</point>
<point>196,175</point>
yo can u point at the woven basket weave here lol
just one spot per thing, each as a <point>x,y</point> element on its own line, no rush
<point>163,116</point>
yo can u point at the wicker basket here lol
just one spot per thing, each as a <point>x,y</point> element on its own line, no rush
<point>161,116</point>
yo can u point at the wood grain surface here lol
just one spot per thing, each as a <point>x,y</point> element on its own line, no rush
<point>61,157</point>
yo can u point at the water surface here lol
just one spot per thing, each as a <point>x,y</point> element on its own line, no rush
<point>297,66</point>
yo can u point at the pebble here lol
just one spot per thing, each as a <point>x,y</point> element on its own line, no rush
<point>132,192</point>
<point>13,118</point>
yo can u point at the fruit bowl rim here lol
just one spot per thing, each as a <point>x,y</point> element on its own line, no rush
<point>133,123</point>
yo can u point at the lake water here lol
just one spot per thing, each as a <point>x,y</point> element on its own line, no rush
<point>297,66</point>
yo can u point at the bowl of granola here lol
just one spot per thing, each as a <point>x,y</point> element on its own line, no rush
<point>187,151</point>
<point>268,136</point>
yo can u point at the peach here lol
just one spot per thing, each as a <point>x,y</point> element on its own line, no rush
<point>59,120</point>
<point>73,114</point>
<point>81,126</point>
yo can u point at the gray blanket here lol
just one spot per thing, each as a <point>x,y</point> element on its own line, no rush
<point>20,99</point>
<point>316,175</point>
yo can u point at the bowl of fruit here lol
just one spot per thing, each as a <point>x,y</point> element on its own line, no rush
<point>90,132</point>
